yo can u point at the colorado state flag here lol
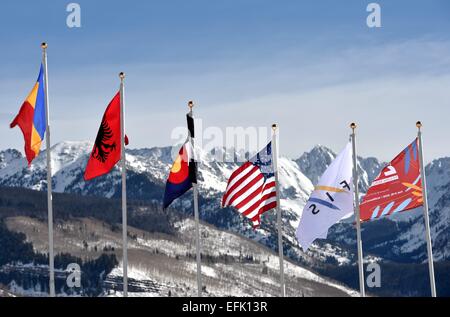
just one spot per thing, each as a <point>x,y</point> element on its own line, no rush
<point>184,170</point>
<point>31,119</point>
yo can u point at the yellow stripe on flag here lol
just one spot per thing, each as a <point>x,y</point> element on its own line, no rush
<point>31,99</point>
<point>330,189</point>
<point>412,186</point>
<point>36,141</point>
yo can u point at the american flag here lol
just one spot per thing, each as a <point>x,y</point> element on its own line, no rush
<point>251,188</point>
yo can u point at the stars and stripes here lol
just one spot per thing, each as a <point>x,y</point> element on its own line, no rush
<point>252,188</point>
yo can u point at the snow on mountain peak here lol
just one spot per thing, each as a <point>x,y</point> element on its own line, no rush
<point>149,167</point>
<point>438,173</point>
<point>314,163</point>
<point>7,156</point>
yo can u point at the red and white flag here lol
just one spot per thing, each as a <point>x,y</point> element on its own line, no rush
<point>397,188</point>
<point>251,188</point>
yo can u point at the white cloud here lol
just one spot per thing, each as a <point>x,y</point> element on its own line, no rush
<point>313,93</point>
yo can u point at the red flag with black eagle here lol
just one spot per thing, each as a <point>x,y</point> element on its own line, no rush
<point>107,148</point>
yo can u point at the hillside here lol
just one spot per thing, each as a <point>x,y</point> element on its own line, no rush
<point>396,240</point>
<point>161,251</point>
<point>163,265</point>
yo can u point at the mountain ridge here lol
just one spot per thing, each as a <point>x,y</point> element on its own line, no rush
<point>398,238</point>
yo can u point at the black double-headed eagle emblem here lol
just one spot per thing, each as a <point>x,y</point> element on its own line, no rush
<point>102,147</point>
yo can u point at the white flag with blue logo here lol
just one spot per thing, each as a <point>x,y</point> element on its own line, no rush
<point>331,201</point>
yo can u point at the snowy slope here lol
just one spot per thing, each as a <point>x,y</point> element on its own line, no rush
<point>438,180</point>
<point>148,169</point>
<point>147,173</point>
<point>163,265</point>
<point>4,292</point>
<point>407,241</point>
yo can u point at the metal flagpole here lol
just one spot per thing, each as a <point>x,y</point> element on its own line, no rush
<point>357,214</point>
<point>49,175</point>
<point>279,222</point>
<point>425,211</point>
<point>196,215</point>
<point>124,186</point>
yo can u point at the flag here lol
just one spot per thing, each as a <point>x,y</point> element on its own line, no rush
<point>32,119</point>
<point>397,188</point>
<point>331,201</point>
<point>107,147</point>
<point>184,170</point>
<point>251,188</point>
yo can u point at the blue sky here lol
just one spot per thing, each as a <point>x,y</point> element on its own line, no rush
<point>311,66</point>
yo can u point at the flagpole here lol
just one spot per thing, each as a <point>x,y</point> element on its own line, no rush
<point>49,175</point>
<point>426,212</point>
<point>357,215</point>
<point>279,222</point>
<point>124,186</point>
<point>196,215</point>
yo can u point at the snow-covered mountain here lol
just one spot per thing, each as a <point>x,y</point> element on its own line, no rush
<point>406,238</point>
<point>398,238</point>
<point>147,171</point>
<point>438,180</point>
<point>314,163</point>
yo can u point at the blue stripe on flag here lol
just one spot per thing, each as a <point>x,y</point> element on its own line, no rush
<point>402,206</point>
<point>387,209</point>
<point>39,107</point>
<point>324,203</point>
<point>375,213</point>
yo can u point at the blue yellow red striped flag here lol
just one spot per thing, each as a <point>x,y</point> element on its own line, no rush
<point>31,118</point>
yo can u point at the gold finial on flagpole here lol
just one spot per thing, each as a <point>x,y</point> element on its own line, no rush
<point>419,125</point>
<point>353,126</point>
<point>122,76</point>
<point>44,45</point>
<point>274,127</point>
<point>190,104</point>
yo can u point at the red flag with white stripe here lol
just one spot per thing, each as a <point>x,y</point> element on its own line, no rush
<point>251,188</point>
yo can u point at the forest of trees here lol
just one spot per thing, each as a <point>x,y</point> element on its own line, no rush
<point>15,251</point>
<point>142,215</point>
<point>412,281</point>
